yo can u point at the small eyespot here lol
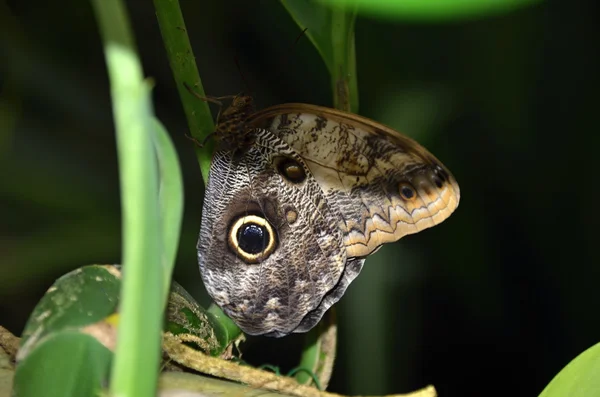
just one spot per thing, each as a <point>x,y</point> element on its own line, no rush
<point>252,238</point>
<point>407,192</point>
<point>290,169</point>
<point>291,216</point>
<point>438,182</point>
<point>441,172</point>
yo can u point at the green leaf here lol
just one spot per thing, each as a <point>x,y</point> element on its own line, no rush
<point>66,364</point>
<point>580,378</point>
<point>171,200</point>
<point>77,299</point>
<point>331,30</point>
<point>143,296</point>
<point>432,10</point>
<point>60,354</point>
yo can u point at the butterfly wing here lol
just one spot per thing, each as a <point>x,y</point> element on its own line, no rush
<point>270,252</point>
<point>384,184</point>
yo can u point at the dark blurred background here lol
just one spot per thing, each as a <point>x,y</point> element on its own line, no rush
<point>495,301</point>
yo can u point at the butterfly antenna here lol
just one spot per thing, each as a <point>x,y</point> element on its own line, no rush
<point>298,38</point>
<point>216,101</point>
<point>293,46</point>
<point>197,142</point>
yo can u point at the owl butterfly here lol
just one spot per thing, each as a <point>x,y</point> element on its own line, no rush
<point>298,195</point>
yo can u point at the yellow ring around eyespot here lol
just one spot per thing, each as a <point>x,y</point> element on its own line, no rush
<point>234,244</point>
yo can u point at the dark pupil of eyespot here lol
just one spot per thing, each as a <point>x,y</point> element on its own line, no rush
<point>252,238</point>
<point>407,192</point>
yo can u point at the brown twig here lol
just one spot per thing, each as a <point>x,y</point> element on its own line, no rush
<point>253,377</point>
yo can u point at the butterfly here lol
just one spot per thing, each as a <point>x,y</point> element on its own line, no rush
<point>298,196</point>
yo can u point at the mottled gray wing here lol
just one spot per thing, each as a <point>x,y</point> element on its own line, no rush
<point>270,251</point>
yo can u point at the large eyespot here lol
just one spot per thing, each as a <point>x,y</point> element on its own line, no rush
<point>252,238</point>
<point>407,192</point>
<point>290,169</point>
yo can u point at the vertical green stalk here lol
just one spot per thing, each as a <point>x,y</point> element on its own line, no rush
<point>183,64</point>
<point>136,362</point>
<point>343,71</point>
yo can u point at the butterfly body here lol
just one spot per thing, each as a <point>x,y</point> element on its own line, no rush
<point>298,195</point>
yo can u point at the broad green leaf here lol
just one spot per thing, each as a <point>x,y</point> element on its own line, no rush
<point>84,303</point>
<point>60,352</point>
<point>580,378</point>
<point>77,299</point>
<point>64,364</point>
<point>432,10</point>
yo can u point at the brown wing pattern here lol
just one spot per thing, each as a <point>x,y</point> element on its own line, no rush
<point>384,184</point>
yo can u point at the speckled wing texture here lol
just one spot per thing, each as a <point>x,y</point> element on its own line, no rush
<point>362,167</point>
<point>346,185</point>
<point>306,273</point>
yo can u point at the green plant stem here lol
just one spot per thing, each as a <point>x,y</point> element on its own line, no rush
<point>135,367</point>
<point>343,71</point>
<point>309,356</point>
<point>183,64</point>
